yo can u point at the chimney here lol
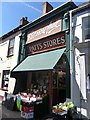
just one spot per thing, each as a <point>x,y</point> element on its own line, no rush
<point>46,8</point>
<point>24,21</point>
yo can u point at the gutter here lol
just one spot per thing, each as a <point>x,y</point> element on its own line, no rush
<point>71,58</point>
<point>72,72</point>
<point>81,7</point>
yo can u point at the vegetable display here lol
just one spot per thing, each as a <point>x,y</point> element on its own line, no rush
<point>63,107</point>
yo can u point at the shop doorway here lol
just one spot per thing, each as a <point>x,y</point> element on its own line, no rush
<point>59,81</point>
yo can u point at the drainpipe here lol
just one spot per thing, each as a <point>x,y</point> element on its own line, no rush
<point>71,58</point>
<point>72,77</point>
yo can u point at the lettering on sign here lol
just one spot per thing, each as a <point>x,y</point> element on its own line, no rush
<point>51,28</point>
<point>49,43</point>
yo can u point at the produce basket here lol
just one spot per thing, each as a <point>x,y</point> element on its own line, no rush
<point>59,114</point>
<point>27,111</point>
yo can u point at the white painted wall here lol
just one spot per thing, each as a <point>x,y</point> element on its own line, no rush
<point>83,98</point>
<point>80,64</point>
<point>9,63</point>
<point>76,83</point>
<point>3,54</point>
<point>16,51</point>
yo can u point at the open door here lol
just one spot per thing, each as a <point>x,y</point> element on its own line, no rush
<point>59,82</point>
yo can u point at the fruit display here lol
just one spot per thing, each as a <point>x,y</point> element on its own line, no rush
<point>63,106</point>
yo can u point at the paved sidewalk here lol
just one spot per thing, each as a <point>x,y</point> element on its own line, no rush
<point>6,114</point>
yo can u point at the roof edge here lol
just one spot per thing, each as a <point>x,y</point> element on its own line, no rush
<point>81,7</point>
<point>43,16</point>
<point>10,33</point>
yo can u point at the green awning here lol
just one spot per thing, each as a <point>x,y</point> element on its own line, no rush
<point>42,61</point>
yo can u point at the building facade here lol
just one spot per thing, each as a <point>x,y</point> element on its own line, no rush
<point>57,59</point>
<point>46,65</point>
<point>80,58</point>
<point>10,51</point>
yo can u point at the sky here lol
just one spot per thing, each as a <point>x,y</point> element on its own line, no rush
<point>12,11</point>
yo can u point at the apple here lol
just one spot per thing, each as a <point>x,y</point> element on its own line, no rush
<point>70,105</point>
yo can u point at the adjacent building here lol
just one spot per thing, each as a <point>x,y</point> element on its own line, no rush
<point>10,55</point>
<point>80,57</point>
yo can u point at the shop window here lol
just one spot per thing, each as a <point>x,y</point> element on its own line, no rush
<point>86,28</point>
<point>11,47</point>
<point>59,79</point>
<point>40,81</point>
<point>5,79</point>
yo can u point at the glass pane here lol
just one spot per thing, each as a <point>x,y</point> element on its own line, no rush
<point>11,43</point>
<point>10,51</point>
<point>5,79</point>
<point>55,77</point>
<point>87,33</point>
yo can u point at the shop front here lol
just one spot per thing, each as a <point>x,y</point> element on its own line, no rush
<point>46,65</point>
<point>46,71</point>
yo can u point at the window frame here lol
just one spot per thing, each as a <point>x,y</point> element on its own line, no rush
<point>11,47</point>
<point>5,78</point>
<point>84,29</point>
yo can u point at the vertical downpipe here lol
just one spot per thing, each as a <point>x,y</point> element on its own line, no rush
<point>71,58</point>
